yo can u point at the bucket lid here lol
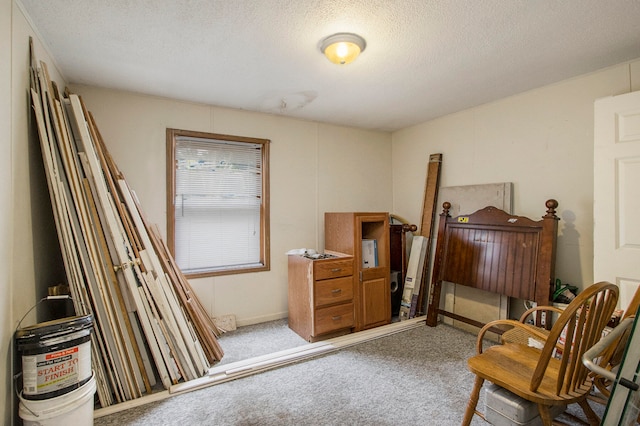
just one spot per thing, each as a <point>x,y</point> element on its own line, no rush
<point>55,326</point>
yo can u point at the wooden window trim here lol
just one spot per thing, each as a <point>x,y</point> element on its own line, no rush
<point>265,240</point>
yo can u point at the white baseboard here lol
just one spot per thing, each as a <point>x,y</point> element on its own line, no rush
<point>241,322</point>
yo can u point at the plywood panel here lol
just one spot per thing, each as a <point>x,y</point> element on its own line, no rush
<point>470,302</point>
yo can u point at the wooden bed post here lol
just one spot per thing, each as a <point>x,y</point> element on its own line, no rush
<point>436,282</point>
<point>547,260</point>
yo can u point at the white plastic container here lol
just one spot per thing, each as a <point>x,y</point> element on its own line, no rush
<point>72,408</point>
<point>504,408</point>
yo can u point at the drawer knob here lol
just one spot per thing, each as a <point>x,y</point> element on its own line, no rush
<point>336,290</point>
<point>337,317</point>
<point>336,270</point>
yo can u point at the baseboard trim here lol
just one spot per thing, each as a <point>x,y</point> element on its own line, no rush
<point>263,318</point>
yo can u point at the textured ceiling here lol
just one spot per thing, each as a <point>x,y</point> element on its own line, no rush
<point>424,58</point>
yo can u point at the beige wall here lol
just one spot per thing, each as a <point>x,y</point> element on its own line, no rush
<point>6,212</point>
<point>541,140</point>
<point>314,168</point>
<point>36,256</point>
<point>29,254</point>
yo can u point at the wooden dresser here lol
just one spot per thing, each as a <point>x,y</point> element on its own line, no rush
<point>321,296</point>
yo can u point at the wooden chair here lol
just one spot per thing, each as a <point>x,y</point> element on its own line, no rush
<point>553,375</point>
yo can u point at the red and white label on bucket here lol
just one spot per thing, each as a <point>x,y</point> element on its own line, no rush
<point>49,372</point>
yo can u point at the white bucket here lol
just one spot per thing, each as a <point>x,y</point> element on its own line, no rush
<point>73,408</point>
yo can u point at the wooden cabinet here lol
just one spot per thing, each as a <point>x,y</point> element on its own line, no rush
<point>321,296</point>
<point>345,232</point>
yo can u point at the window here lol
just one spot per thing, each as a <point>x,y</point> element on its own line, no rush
<point>217,203</point>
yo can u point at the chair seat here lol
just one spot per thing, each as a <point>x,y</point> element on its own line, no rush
<point>511,366</point>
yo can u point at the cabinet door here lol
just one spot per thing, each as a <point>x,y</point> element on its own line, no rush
<point>375,302</point>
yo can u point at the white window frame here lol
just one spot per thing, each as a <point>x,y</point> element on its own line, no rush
<point>232,209</point>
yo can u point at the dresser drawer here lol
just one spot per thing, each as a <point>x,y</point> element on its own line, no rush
<point>328,292</point>
<point>333,269</point>
<point>333,318</point>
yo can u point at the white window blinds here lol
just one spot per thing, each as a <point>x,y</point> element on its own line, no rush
<point>218,200</point>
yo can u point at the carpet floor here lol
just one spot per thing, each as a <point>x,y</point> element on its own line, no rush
<point>417,376</point>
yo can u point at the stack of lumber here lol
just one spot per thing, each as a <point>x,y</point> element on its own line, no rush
<point>148,324</point>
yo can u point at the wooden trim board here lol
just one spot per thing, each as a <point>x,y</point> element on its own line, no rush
<point>426,229</point>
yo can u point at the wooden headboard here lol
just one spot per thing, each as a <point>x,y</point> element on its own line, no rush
<point>494,251</point>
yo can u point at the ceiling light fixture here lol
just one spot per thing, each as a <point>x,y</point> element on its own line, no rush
<point>342,48</point>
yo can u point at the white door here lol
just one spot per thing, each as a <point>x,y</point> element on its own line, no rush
<point>616,212</point>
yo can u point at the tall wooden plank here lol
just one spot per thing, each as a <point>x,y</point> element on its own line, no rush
<point>426,229</point>
<point>122,246</point>
<point>175,321</point>
<point>55,181</point>
<point>126,328</point>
